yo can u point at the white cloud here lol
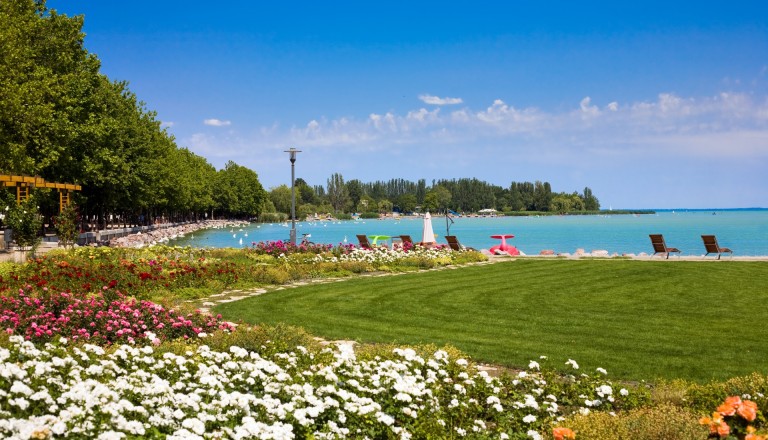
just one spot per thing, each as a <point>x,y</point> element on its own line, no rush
<point>586,109</point>
<point>597,140</point>
<point>656,125</point>
<point>436,100</point>
<point>423,116</point>
<point>216,122</point>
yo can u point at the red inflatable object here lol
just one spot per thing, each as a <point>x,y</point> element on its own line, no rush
<point>511,250</point>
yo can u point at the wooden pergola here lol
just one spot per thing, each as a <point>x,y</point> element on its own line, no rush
<point>24,184</point>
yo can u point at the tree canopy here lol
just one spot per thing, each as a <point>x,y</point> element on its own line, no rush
<point>63,120</point>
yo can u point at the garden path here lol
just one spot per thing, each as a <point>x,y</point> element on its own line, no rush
<point>205,304</point>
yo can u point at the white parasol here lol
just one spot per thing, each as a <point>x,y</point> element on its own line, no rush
<point>428,235</point>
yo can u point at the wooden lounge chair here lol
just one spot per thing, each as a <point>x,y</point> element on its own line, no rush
<point>454,244</point>
<point>660,247</point>
<point>710,244</point>
<point>364,243</point>
<point>406,239</point>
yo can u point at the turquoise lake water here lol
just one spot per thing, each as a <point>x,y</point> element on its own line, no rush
<point>744,231</point>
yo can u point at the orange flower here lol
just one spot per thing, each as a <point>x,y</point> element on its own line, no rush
<point>723,429</point>
<point>563,434</point>
<point>728,408</point>
<point>747,410</point>
<point>751,434</point>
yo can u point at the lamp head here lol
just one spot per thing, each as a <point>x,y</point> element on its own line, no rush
<point>292,152</point>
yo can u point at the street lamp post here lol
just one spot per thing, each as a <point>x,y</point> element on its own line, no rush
<point>292,152</point>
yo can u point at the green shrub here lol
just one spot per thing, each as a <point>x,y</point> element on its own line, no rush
<point>705,398</point>
<point>663,422</point>
<point>670,392</point>
<point>261,258</point>
<point>194,292</point>
<point>178,347</point>
<point>468,257</point>
<point>270,275</point>
<point>6,268</point>
<point>25,221</point>
<point>273,217</point>
<point>356,266</point>
<point>369,215</point>
<point>419,262</point>
<point>265,340</point>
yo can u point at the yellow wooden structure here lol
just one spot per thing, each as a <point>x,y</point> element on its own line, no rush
<point>24,184</point>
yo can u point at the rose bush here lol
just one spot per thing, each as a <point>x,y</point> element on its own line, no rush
<point>39,314</point>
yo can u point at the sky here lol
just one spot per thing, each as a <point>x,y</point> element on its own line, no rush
<point>650,104</point>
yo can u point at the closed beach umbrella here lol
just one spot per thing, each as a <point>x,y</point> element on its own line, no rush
<point>428,235</point>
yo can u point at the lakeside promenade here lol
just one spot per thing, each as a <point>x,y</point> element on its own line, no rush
<point>137,237</point>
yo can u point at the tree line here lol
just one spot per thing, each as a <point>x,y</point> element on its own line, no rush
<point>459,195</point>
<point>63,120</point>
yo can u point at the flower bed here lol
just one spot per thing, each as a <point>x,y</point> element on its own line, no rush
<point>39,314</point>
<point>140,273</point>
<point>407,256</point>
<point>141,391</point>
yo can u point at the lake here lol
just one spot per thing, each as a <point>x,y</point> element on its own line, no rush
<point>744,231</point>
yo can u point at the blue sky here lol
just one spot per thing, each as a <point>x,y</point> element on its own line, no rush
<point>650,104</point>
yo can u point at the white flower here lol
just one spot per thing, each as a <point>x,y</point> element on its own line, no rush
<point>530,402</point>
<point>530,418</point>
<point>604,390</point>
<point>111,435</point>
<point>623,392</point>
<point>572,363</point>
<point>403,397</point>
<point>385,418</point>
<point>533,365</point>
<point>194,425</point>
<point>533,434</point>
<point>20,388</point>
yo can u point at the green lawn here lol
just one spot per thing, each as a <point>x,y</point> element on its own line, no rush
<point>640,320</point>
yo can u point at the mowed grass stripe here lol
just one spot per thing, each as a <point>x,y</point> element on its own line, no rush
<point>638,319</point>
